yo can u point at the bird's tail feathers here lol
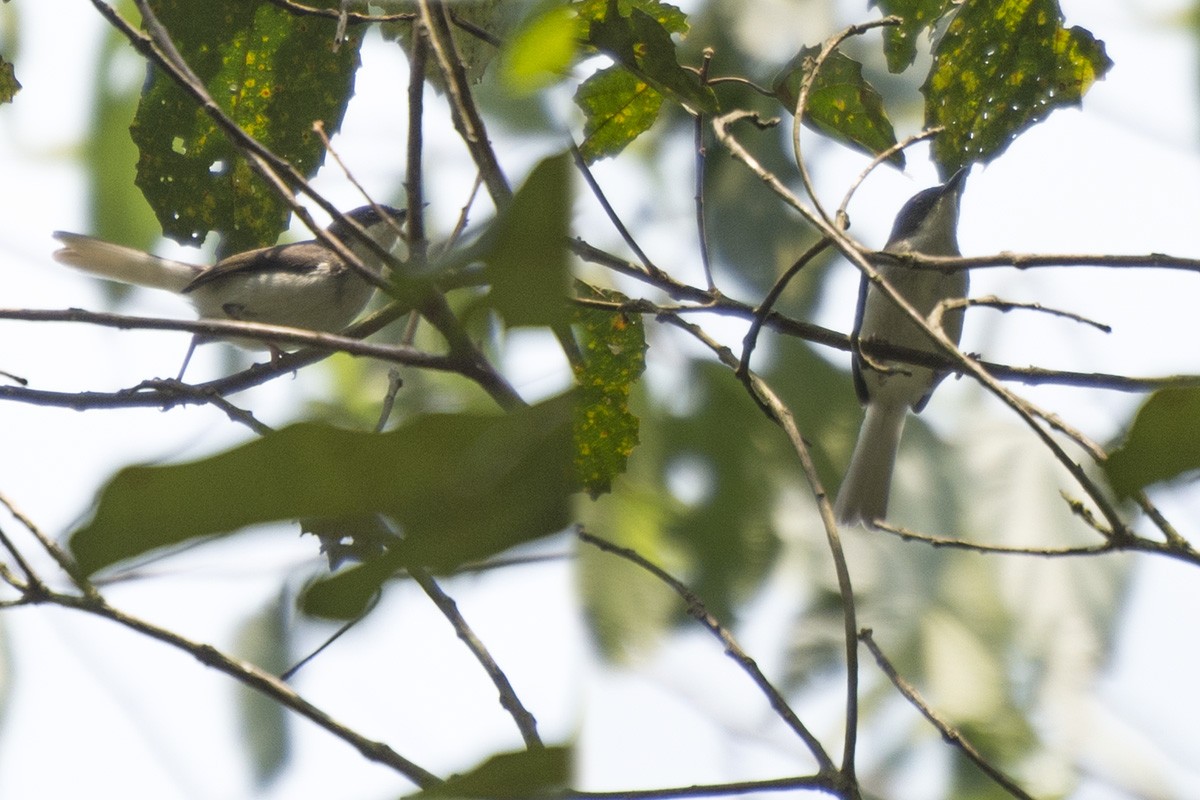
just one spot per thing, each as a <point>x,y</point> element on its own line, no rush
<point>124,264</point>
<point>863,496</point>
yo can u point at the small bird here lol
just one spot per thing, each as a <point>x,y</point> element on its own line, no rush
<point>926,225</point>
<point>299,285</point>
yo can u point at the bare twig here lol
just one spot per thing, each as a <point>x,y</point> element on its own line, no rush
<point>750,340</point>
<point>464,112</point>
<point>1004,306</point>
<point>590,179</point>
<point>948,731</point>
<point>842,215</point>
<point>249,675</point>
<point>509,700</point>
<point>697,610</point>
<point>701,163</point>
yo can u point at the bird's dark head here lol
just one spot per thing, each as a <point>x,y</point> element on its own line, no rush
<point>368,217</point>
<point>928,222</point>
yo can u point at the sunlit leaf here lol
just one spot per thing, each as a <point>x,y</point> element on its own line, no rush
<point>641,44</point>
<point>669,16</point>
<point>841,103</point>
<point>606,431</point>
<point>9,85</point>
<point>900,41</point>
<point>1000,68</point>
<point>542,50</point>
<point>275,74</point>
<point>458,486</point>
<point>618,107</point>
<point>1162,444</point>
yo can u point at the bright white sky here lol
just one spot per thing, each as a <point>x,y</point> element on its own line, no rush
<point>96,706</point>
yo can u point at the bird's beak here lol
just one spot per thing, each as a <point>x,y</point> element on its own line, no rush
<point>957,181</point>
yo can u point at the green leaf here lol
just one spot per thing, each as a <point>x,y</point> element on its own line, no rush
<point>1002,66</point>
<point>527,252</point>
<point>643,45</point>
<point>350,593</point>
<point>618,107</point>
<point>524,773</point>
<point>1162,444</point>
<point>606,431</point>
<point>275,74</point>
<point>841,103</point>
<point>263,640</point>
<point>900,41</point>
<point>9,85</point>
<point>458,486</point>
<point>665,14</point>
<point>541,52</point>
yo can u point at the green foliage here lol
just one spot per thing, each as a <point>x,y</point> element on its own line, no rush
<point>275,74</point>
<point>459,486</point>
<point>1162,444</point>
<point>525,773</point>
<point>541,51</point>
<point>606,431</point>
<point>526,248</point>
<point>1000,68</point>
<point>618,107</point>
<point>841,103</point>
<point>9,85</point>
<point>900,41</point>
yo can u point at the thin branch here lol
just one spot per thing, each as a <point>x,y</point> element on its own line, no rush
<point>1038,260</point>
<point>509,700</point>
<point>697,610</point>
<point>64,561</point>
<point>234,329</point>
<point>810,783</point>
<point>750,340</point>
<point>907,535</point>
<point>948,731</point>
<point>903,144</point>
<point>464,113</point>
<point>817,334</point>
<point>701,163</point>
<point>414,177</point>
<point>590,179</point>
<point>245,673</point>
<point>261,681</point>
<point>318,127</point>
<point>1004,306</point>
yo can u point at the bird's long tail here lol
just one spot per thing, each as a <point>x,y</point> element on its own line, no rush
<point>124,264</point>
<point>863,496</point>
